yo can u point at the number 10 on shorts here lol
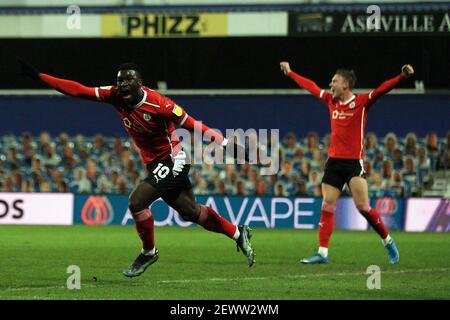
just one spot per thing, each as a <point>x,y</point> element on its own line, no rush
<point>160,172</point>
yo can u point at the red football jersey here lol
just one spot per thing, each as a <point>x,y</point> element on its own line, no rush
<point>348,118</point>
<point>348,122</point>
<point>151,123</point>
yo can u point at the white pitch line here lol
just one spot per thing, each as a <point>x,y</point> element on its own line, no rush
<point>300,276</point>
<point>295,276</point>
<point>41,288</point>
<point>31,288</point>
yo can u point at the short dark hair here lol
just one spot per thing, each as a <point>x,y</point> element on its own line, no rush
<point>349,75</point>
<point>130,66</point>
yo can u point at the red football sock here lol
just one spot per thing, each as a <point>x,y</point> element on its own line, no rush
<point>376,223</point>
<point>373,217</point>
<point>212,221</point>
<point>144,227</point>
<point>326,224</point>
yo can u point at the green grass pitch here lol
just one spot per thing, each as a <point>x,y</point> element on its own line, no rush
<point>197,264</point>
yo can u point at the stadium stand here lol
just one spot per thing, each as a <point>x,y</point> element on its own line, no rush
<point>395,166</point>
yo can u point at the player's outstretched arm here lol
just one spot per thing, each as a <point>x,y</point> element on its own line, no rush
<point>64,86</point>
<point>388,85</point>
<point>233,149</point>
<point>302,82</point>
<point>191,124</point>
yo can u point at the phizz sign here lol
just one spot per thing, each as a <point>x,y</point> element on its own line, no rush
<point>36,208</point>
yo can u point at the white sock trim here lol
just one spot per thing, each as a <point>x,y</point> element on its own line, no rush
<point>387,240</point>
<point>148,252</point>
<point>237,234</point>
<point>323,252</point>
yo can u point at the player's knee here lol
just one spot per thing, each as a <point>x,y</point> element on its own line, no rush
<point>135,205</point>
<point>190,213</point>
<point>329,206</point>
<point>329,200</point>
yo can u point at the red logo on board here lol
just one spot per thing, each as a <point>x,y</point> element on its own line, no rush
<point>97,210</point>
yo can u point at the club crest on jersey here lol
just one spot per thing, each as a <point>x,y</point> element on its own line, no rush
<point>147,116</point>
<point>352,105</point>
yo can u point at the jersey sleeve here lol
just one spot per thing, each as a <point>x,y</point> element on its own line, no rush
<point>363,99</point>
<point>173,112</point>
<point>192,124</point>
<point>68,87</point>
<point>384,88</point>
<point>310,86</point>
<point>104,93</point>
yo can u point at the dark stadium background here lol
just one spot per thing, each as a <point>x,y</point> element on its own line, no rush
<point>231,63</point>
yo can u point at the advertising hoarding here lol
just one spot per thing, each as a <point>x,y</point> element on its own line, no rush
<point>264,212</point>
<point>36,208</point>
<point>427,214</point>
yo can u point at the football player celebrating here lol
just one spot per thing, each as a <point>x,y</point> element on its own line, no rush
<point>150,118</point>
<point>348,116</point>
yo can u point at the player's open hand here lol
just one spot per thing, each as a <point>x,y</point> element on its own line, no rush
<point>284,66</point>
<point>407,70</point>
<point>28,70</point>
